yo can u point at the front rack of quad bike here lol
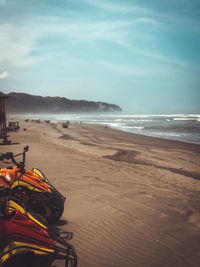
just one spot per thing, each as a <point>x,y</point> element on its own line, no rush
<point>11,156</point>
<point>66,252</point>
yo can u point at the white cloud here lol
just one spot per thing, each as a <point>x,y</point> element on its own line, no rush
<point>15,45</point>
<point>85,31</point>
<point>18,42</point>
<point>159,57</point>
<point>2,2</point>
<point>155,56</point>
<point>121,8</point>
<point>4,75</point>
<point>146,21</point>
<point>128,70</point>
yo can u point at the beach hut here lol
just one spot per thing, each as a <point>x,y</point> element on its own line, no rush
<point>3,129</point>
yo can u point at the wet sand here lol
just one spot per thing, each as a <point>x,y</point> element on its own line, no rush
<point>131,200</point>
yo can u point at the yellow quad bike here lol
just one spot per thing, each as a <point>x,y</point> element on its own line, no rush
<point>31,187</point>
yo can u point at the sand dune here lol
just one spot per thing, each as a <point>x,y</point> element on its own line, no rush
<point>131,200</point>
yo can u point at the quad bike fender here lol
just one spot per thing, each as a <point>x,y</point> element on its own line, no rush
<point>40,175</point>
<point>19,247</point>
<point>12,205</point>
<point>24,184</point>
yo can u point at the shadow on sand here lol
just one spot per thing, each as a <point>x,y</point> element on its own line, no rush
<point>29,260</point>
<point>60,223</point>
<point>10,144</point>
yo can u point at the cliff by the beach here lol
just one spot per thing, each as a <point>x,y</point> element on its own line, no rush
<point>26,103</point>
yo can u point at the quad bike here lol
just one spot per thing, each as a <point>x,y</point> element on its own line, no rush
<point>27,240</point>
<point>31,187</point>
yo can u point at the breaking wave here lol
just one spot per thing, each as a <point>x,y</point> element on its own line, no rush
<point>184,127</point>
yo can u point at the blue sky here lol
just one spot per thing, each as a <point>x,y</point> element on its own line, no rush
<point>143,55</point>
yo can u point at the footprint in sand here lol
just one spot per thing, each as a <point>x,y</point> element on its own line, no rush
<point>195,219</point>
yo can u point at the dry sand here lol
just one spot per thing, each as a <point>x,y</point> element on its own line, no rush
<point>131,200</point>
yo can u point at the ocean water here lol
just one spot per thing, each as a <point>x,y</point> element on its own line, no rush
<point>183,127</point>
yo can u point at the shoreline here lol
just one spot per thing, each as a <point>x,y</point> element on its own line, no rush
<point>180,127</point>
<point>151,136</point>
<point>132,200</point>
<point>148,135</point>
<point>117,129</point>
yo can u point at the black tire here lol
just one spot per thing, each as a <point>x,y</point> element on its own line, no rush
<point>28,259</point>
<point>57,208</point>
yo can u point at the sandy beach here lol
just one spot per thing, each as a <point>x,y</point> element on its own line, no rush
<point>132,200</point>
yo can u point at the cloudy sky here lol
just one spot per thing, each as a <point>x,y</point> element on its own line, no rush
<point>141,54</point>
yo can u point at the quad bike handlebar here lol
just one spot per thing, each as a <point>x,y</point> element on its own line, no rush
<point>11,156</point>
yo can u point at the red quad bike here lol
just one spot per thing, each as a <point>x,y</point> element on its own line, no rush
<point>26,240</point>
<point>31,187</point>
